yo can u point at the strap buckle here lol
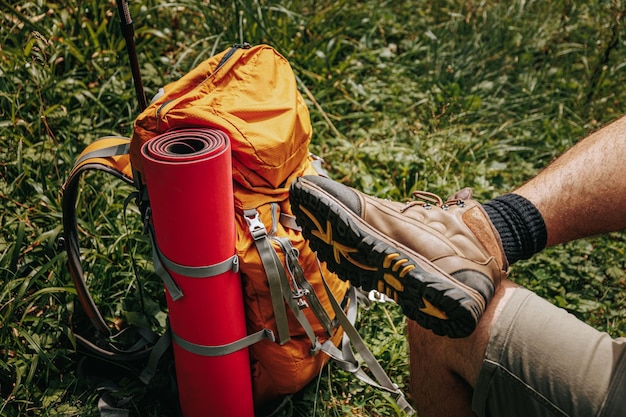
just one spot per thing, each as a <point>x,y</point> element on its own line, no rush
<point>256,226</point>
<point>298,294</point>
<point>379,297</point>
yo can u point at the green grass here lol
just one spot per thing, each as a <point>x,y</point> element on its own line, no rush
<point>403,96</point>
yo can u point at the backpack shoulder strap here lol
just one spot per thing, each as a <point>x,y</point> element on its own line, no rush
<point>109,155</point>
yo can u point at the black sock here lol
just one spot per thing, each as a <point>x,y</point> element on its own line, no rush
<point>521,226</point>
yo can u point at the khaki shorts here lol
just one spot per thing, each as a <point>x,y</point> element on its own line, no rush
<point>542,361</point>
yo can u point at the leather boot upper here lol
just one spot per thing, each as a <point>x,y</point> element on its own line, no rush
<point>455,235</point>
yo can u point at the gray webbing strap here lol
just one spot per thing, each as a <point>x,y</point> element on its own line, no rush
<point>379,373</point>
<point>221,350</point>
<point>296,271</point>
<point>162,266</point>
<point>147,338</point>
<point>109,403</point>
<point>107,152</point>
<point>345,357</point>
<point>318,164</point>
<point>230,264</point>
<point>274,214</point>
<point>158,350</point>
<point>173,289</point>
<point>289,221</point>
<point>276,274</point>
<point>295,308</point>
<point>272,270</point>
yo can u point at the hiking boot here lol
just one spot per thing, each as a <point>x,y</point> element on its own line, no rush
<point>440,261</point>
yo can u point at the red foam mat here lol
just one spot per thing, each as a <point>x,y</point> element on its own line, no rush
<point>188,174</point>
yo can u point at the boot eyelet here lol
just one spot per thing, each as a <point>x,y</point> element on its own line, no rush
<point>427,206</point>
<point>445,207</point>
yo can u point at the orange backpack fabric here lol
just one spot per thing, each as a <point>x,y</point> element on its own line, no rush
<point>251,94</point>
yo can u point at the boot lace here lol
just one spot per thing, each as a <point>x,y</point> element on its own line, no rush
<point>429,200</point>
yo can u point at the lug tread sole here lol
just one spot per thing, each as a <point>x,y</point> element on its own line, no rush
<point>373,264</point>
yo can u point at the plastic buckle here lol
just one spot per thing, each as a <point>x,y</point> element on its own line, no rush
<point>316,348</point>
<point>270,335</point>
<point>256,226</point>
<point>146,220</point>
<point>379,297</point>
<point>298,296</point>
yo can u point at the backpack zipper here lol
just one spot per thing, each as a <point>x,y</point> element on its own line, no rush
<point>230,53</point>
<point>223,61</point>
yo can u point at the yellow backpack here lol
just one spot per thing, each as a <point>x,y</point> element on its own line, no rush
<point>251,94</point>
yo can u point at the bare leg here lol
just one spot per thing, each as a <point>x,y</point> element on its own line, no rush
<point>583,193</point>
<point>444,370</point>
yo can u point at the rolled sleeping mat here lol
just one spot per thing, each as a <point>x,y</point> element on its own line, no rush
<point>188,175</point>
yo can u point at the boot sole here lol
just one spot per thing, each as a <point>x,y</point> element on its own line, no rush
<point>368,259</point>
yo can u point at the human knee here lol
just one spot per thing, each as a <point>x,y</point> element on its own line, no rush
<point>463,356</point>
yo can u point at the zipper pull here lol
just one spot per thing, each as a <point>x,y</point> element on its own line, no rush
<point>230,53</point>
<point>244,45</point>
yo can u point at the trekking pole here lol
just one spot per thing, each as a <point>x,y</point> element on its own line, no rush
<point>128,32</point>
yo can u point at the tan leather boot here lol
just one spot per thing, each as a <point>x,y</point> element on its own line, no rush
<point>440,261</point>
